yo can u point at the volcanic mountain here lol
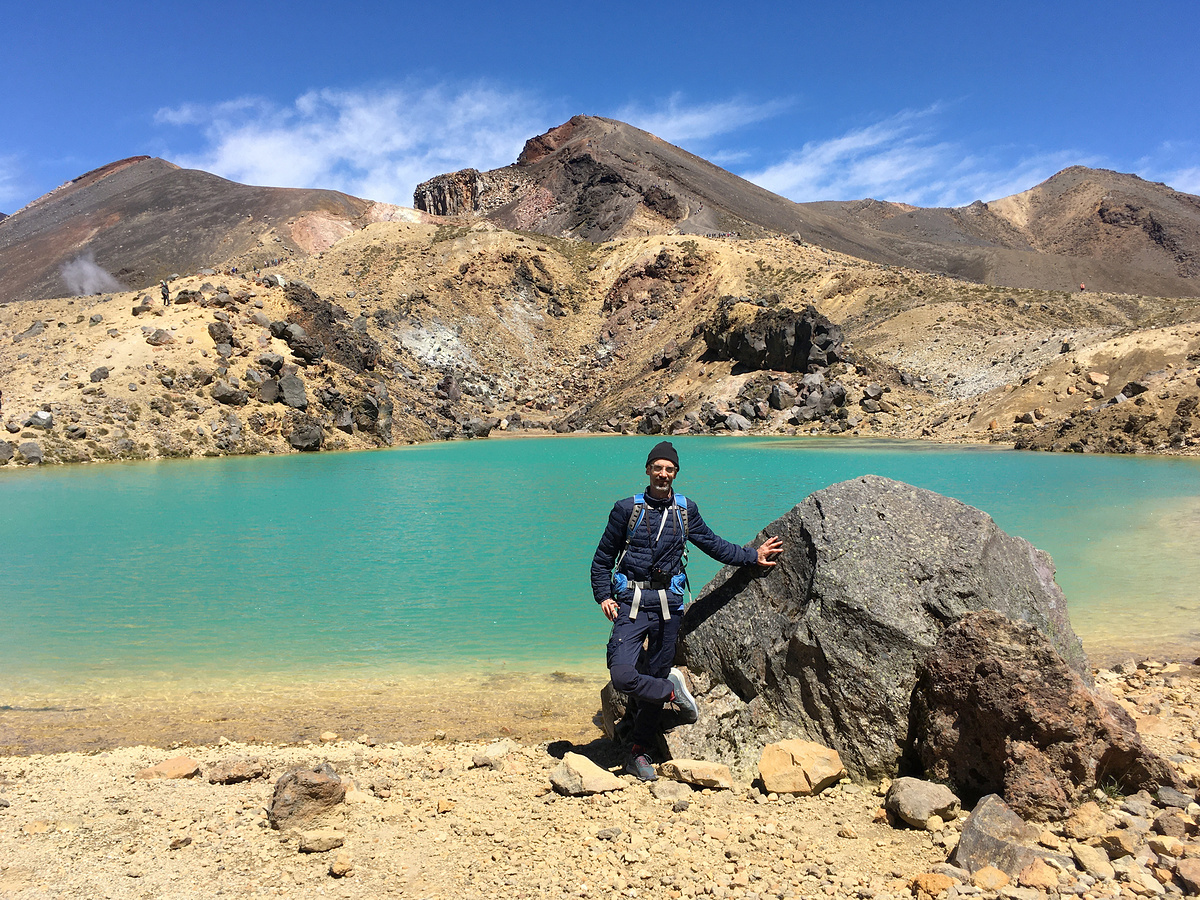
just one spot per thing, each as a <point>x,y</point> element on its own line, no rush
<point>142,219</point>
<point>598,179</point>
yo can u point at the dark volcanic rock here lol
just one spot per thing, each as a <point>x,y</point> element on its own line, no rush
<point>324,323</point>
<point>30,452</point>
<point>994,835</point>
<point>220,332</point>
<point>99,374</point>
<point>223,392</point>
<point>778,339</point>
<point>6,452</point>
<point>268,391</point>
<point>158,337</point>
<point>303,795</point>
<point>996,710</point>
<point>478,428</point>
<point>306,436</point>
<point>272,361</point>
<point>307,348</point>
<point>783,396</point>
<point>292,392</point>
<point>294,332</point>
<point>827,646</point>
<point>32,331</point>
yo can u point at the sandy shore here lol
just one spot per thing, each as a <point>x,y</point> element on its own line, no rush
<point>425,823</point>
<point>523,706</point>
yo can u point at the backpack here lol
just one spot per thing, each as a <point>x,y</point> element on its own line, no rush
<point>635,519</point>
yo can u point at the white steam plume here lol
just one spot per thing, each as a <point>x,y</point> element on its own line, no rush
<point>82,276</point>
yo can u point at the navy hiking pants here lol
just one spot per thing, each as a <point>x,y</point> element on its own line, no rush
<point>643,676</point>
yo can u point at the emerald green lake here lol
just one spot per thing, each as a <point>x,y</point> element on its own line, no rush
<point>473,556</point>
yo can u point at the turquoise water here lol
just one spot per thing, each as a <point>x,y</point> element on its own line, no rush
<point>474,555</point>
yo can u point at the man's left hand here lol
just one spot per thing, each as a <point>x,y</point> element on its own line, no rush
<point>768,550</point>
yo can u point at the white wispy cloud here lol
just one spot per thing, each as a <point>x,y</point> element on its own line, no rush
<point>1186,180</point>
<point>675,120</point>
<point>377,144</point>
<point>380,143</point>
<point>12,187</point>
<point>904,158</point>
<point>1175,163</point>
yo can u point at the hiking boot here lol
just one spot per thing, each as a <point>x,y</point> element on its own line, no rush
<point>683,698</point>
<point>639,765</point>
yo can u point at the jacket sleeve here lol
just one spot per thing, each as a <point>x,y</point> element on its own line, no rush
<point>610,545</point>
<point>713,544</point>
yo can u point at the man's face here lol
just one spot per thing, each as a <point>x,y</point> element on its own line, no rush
<point>662,472</point>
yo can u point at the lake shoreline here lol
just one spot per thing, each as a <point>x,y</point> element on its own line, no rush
<point>547,433</point>
<point>529,706</point>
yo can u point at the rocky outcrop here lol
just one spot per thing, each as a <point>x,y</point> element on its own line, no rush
<point>996,710</point>
<point>452,194</point>
<point>827,646</point>
<point>325,331</point>
<point>223,392</point>
<point>779,339</point>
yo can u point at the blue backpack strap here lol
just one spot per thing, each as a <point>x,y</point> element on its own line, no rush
<point>635,519</point>
<point>635,515</point>
<point>681,512</point>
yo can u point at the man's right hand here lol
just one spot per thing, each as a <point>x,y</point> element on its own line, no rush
<point>609,607</point>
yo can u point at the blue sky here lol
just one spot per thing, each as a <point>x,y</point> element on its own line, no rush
<point>932,103</point>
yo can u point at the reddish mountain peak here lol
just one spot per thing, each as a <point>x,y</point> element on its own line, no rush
<point>538,148</point>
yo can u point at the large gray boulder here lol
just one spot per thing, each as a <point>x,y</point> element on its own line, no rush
<point>827,645</point>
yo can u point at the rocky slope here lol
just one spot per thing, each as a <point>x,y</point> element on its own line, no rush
<point>598,179</point>
<point>310,319</point>
<point>464,328</point>
<point>136,221</point>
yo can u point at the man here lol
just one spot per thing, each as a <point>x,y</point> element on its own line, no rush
<point>645,542</point>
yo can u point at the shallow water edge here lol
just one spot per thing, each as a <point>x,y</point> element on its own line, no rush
<point>529,706</point>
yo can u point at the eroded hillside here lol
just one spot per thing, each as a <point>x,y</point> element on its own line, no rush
<point>407,332</point>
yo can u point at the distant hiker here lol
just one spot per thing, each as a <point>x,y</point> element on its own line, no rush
<point>639,579</point>
<point>166,293</point>
<point>1082,287</point>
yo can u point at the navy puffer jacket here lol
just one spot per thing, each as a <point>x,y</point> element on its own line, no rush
<point>648,548</point>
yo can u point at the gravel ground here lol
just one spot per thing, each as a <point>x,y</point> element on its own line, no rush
<point>422,821</point>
